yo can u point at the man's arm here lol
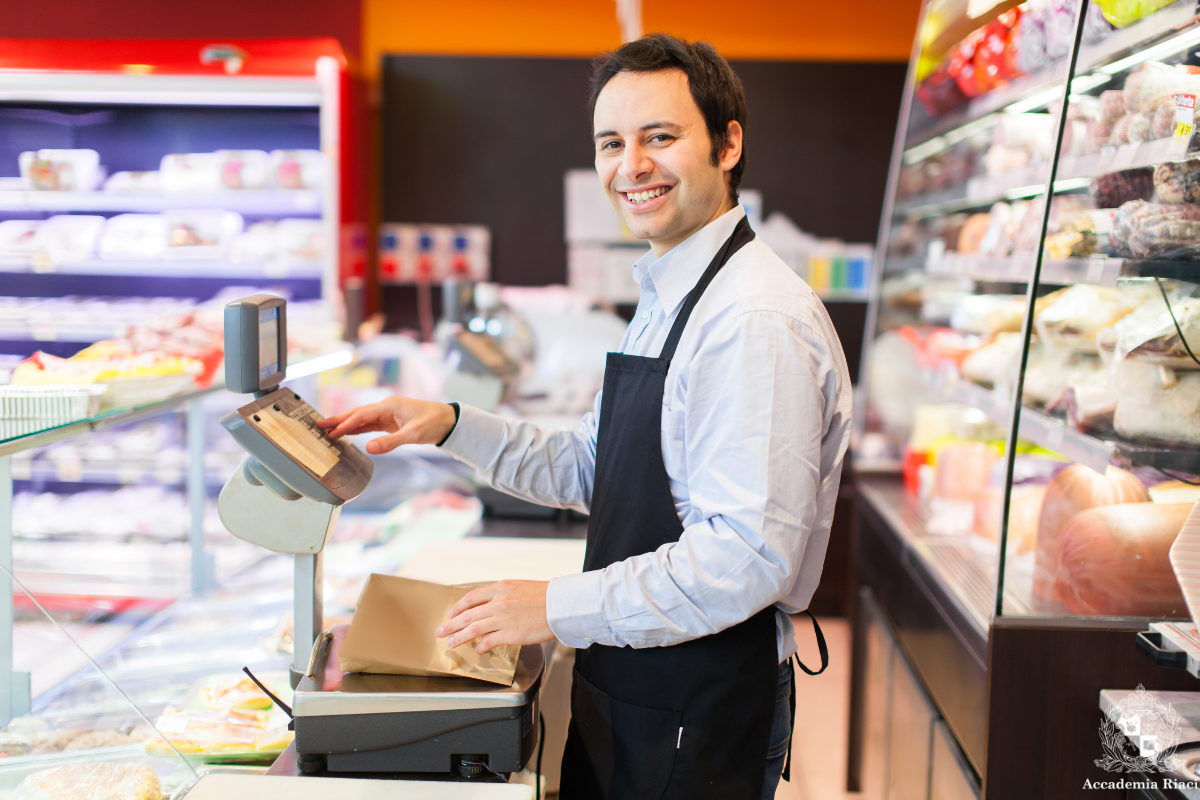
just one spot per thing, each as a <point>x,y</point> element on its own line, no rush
<point>553,468</point>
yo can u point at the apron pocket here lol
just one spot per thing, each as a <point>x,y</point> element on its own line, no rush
<point>631,748</point>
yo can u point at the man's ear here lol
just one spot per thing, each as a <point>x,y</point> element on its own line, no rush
<point>732,151</point>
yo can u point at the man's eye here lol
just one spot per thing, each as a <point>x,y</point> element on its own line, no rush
<point>610,145</point>
<point>661,137</point>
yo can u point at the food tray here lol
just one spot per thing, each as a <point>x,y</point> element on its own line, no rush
<point>59,404</point>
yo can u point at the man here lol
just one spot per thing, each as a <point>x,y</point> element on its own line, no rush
<point>709,467</point>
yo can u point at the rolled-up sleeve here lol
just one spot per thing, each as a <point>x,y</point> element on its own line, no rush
<point>548,467</point>
<point>760,394</point>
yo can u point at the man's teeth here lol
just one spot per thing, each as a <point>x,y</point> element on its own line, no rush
<point>649,194</point>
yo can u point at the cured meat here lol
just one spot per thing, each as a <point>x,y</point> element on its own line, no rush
<point>1178,182</point>
<point>1113,561</point>
<point>1117,188</point>
<point>1138,129</point>
<point>1112,106</point>
<point>1156,230</point>
<point>1157,402</point>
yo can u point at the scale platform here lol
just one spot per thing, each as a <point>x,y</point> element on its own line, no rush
<point>354,722</point>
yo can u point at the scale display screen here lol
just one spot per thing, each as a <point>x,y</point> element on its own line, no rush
<point>268,342</point>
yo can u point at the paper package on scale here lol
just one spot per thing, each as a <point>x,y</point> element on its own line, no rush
<point>393,634</point>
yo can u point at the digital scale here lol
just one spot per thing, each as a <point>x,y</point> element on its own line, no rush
<point>286,496</point>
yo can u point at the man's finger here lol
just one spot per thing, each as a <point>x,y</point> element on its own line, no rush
<point>357,419</point>
<point>334,421</point>
<point>475,597</point>
<point>473,631</point>
<point>460,621</point>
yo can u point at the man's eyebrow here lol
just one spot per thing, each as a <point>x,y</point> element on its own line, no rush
<point>649,126</point>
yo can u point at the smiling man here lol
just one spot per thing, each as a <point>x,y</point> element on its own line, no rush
<point>709,466</point>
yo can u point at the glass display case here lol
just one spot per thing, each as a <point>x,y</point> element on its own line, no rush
<point>1029,364</point>
<point>1026,443</point>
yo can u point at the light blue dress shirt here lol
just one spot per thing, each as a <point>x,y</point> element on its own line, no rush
<point>755,422</point>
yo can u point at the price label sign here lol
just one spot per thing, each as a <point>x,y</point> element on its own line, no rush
<point>1185,115</point>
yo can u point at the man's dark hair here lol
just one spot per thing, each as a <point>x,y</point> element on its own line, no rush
<point>715,87</point>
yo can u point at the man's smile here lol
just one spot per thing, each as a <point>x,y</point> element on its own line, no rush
<point>644,199</point>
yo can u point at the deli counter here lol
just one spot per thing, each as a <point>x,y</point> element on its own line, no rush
<point>1028,446</point>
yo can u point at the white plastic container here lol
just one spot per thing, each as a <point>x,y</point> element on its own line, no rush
<point>185,174</point>
<point>126,182</point>
<point>59,403</point>
<point>299,169</point>
<point>245,169</point>
<point>60,170</point>
<point>301,242</point>
<point>67,238</point>
<point>17,238</point>
<point>204,234</point>
<point>255,245</point>
<point>134,237</point>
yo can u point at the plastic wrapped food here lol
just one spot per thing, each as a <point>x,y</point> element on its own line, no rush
<point>1120,131</point>
<point>1101,135</point>
<point>1126,12</point>
<point>209,732</point>
<point>1156,230</point>
<point>68,238</point>
<point>1087,405</point>
<point>245,169</point>
<point>1177,182</point>
<point>134,236</point>
<point>1023,514</point>
<point>91,781</point>
<point>1112,106</point>
<point>1077,488</point>
<point>1071,321</point>
<point>961,65</point>
<point>60,170</point>
<point>1113,561</point>
<point>299,169</point>
<point>1048,376</point>
<point>182,174</point>
<point>1114,189</point>
<point>1157,402</point>
<point>18,237</point>
<point>125,182</point>
<point>995,58</point>
<point>1147,81</point>
<point>201,233</point>
<point>233,693</point>
<point>1138,129</point>
<point>996,362</point>
<point>1150,334</point>
<point>301,242</point>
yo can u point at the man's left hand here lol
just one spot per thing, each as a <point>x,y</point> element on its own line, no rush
<point>508,612</point>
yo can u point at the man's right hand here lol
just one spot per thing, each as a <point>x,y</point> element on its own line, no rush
<point>407,421</point>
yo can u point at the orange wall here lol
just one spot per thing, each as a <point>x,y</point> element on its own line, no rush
<point>802,30</point>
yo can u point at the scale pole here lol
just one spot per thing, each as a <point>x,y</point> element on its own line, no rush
<point>308,617</point>
<point>203,577</point>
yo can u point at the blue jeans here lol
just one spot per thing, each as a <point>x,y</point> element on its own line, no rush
<point>781,731</point>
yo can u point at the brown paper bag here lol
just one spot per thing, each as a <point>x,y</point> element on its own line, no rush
<point>393,633</point>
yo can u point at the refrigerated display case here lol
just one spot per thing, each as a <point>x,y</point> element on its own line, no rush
<point>1025,442</point>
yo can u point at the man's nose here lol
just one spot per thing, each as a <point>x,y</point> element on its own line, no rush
<point>635,164</point>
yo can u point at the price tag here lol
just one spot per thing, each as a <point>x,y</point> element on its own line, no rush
<point>1095,271</point>
<point>1185,115</point>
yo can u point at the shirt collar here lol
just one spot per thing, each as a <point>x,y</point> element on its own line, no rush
<point>679,269</point>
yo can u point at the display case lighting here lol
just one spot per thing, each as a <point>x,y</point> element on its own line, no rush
<point>1172,46</point>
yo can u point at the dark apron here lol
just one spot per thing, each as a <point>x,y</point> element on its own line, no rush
<point>691,720</point>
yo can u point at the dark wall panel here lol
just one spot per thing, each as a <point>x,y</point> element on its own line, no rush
<point>486,141</point>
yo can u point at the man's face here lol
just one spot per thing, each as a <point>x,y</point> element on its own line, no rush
<point>654,157</point>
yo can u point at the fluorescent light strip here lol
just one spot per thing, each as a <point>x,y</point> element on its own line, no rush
<point>1169,47</point>
<point>338,358</point>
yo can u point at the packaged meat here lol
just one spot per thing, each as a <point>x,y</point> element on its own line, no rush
<point>137,237</point>
<point>223,694</point>
<point>995,58</point>
<point>972,233</point>
<point>1079,312</point>
<point>201,233</point>
<point>1175,492</point>
<point>300,169</point>
<point>60,170</point>
<point>1120,131</point>
<point>988,313</point>
<point>125,182</point>
<point>1122,13</point>
<point>1175,237</point>
<point>209,732</point>
<point>995,363</point>
<point>1030,38</point>
<point>1114,189</point>
<point>255,245</point>
<point>1101,135</point>
<point>1177,182</point>
<point>1047,377</point>
<point>1077,488</point>
<point>1157,402</point>
<point>1138,129</point>
<point>1113,561</point>
<point>1112,106</point>
<point>301,242</point>
<point>939,92</point>
<point>1150,335</point>
<point>961,64</point>
<point>92,781</point>
<point>1147,80</point>
<point>68,238</point>
<point>245,169</point>
<point>18,238</point>
<point>182,174</point>
<point>1023,511</point>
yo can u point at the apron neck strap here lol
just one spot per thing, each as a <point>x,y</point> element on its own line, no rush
<point>742,234</point>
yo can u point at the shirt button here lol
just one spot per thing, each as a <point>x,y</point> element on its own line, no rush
<point>645,315</point>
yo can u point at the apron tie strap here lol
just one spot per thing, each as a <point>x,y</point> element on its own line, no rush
<point>824,650</point>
